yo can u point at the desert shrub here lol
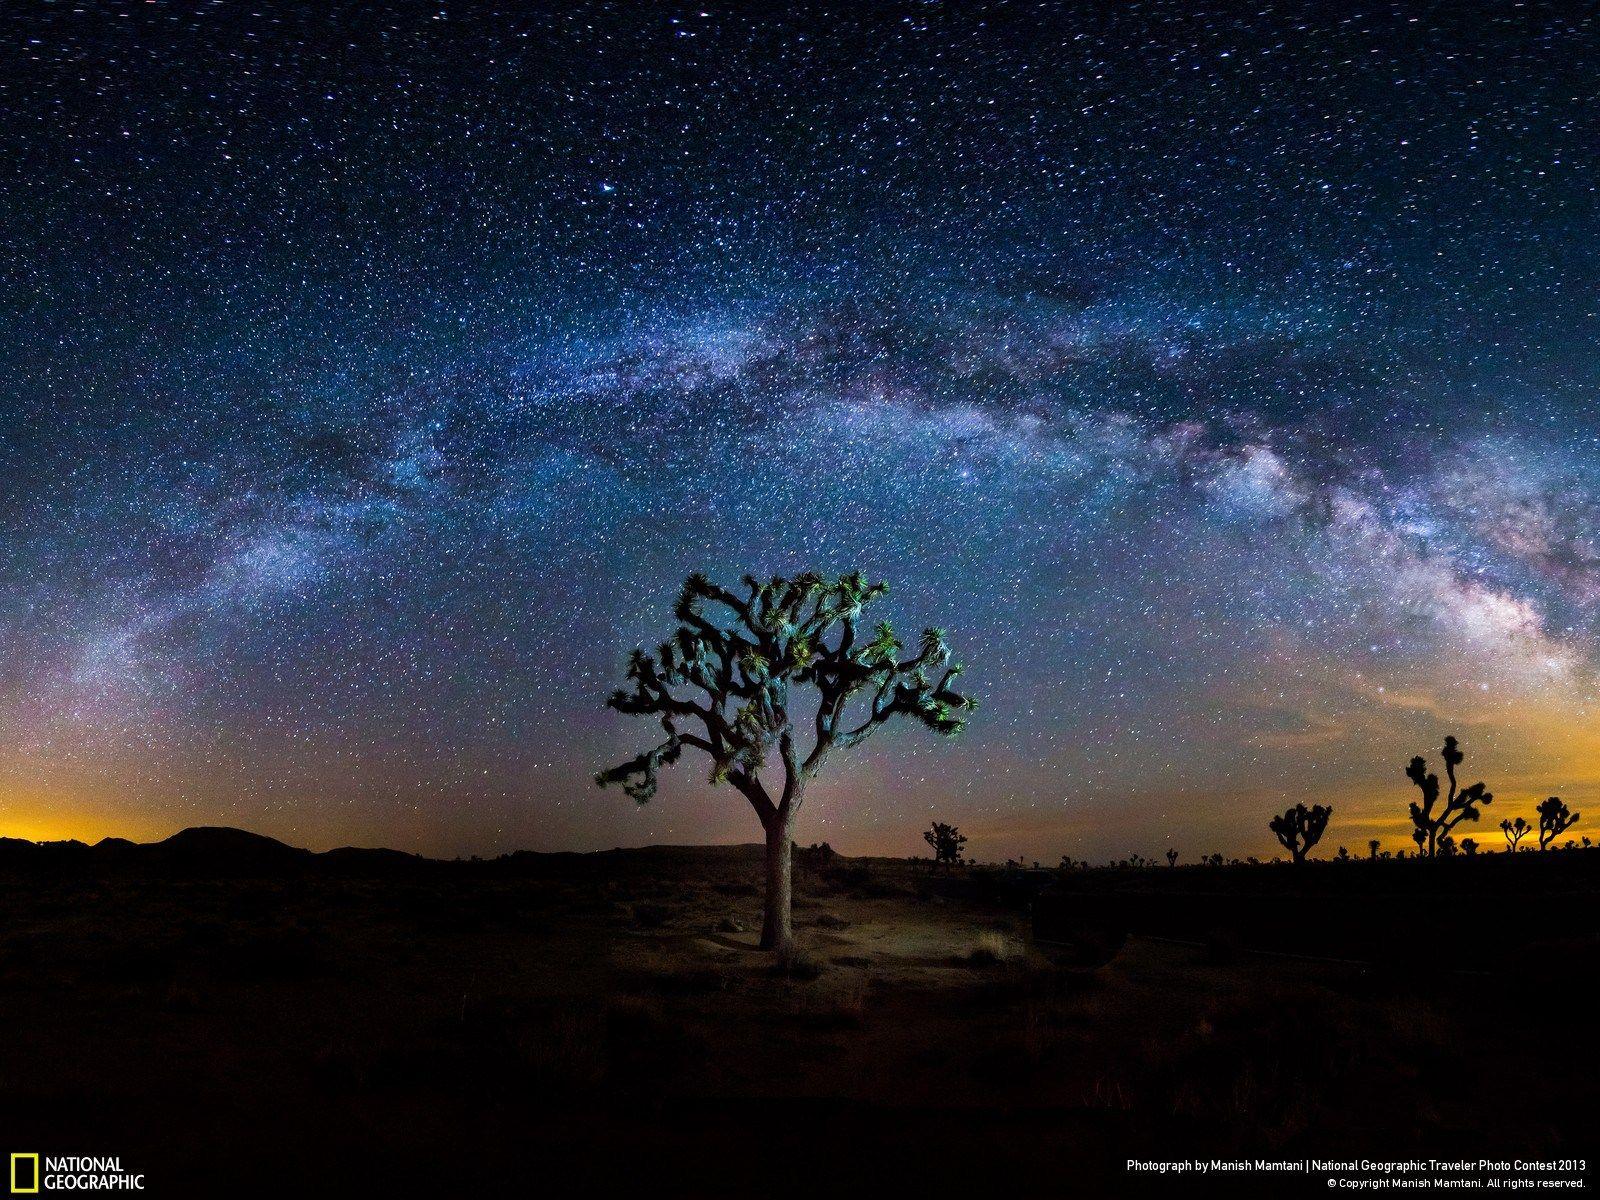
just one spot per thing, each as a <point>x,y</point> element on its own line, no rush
<point>645,1043</point>
<point>991,949</point>
<point>22,951</point>
<point>1279,1062</point>
<point>137,961</point>
<point>564,1052</point>
<point>283,952</point>
<point>695,979</point>
<point>858,881</point>
<point>797,964</point>
<point>650,915</point>
<point>840,1007</point>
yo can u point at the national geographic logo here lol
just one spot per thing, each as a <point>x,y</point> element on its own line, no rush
<point>31,1174</point>
<point>24,1173</point>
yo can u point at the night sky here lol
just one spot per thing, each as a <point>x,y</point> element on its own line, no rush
<point>1223,378</point>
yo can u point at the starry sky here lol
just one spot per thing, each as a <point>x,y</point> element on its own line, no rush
<point>1223,378</point>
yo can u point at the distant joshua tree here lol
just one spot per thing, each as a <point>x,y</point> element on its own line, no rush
<point>1301,828</point>
<point>1515,831</point>
<point>1460,804</point>
<point>722,685</point>
<point>1469,846</point>
<point>947,842</point>
<point>1554,820</point>
<point>1343,855</point>
<point>1172,858</point>
<point>1372,848</point>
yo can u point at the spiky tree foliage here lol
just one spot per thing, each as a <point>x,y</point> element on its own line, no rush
<point>1554,820</point>
<point>1372,848</point>
<point>1300,828</point>
<point>750,675</point>
<point>1172,858</point>
<point>1515,831</point>
<point>1460,803</point>
<point>947,842</point>
<point>1469,846</point>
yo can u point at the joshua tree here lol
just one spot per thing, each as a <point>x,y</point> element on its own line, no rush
<point>1372,848</point>
<point>1300,828</point>
<point>947,842</point>
<point>1172,858</point>
<point>1469,846</point>
<point>1460,804</point>
<point>722,685</point>
<point>1554,820</point>
<point>1515,831</point>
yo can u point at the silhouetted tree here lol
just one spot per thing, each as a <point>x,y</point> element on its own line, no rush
<point>722,685</point>
<point>1515,831</point>
<point>1469,846</point>
<point>1554,820</point>
<point>1300,828</point>
<point>1372,848</point>
<point>1172,858</point>
<point>947,842</point>
<point>1343,855</point>
<point>1460,804</point>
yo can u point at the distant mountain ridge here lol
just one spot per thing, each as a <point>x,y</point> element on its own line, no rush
<point>221,850</point>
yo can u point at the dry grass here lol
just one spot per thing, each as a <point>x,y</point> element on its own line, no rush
<point>993,948</point>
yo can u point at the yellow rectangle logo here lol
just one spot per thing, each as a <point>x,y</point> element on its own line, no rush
<point>29,1184</point>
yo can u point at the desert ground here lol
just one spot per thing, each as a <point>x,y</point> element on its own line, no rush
<point>486,1028</point>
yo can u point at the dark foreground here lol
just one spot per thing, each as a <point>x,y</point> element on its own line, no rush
<point>350,1025</point>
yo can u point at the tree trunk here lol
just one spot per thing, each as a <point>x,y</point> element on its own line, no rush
<point>777,926</point>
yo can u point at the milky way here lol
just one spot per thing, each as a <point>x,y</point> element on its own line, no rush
<point>1222,378</point>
